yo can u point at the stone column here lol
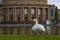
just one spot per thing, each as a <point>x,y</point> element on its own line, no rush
<point>22,14</point>
<point>40,14</point>
<point>15,15</point>
<point>36,14</point>
<point>48,13</point>
<point>0,11</point>
<point>1,18</point>
<point>43,14</point>
<point>29,15</point>
<point>7,15</point>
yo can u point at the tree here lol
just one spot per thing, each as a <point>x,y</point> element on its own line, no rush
<point>56,18</point>
<point>56,13</point>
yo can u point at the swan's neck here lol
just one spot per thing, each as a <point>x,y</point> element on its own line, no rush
<point>36,22</point>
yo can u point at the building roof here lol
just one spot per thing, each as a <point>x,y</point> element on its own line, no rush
<point>24,2</point>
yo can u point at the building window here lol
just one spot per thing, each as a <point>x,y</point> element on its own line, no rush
<point>33,11</point>
<point>4,12</point>
<point>39,12</point>
<point>18,10</point>
<point>25,10</point>
<point>46,12</point>
<point>11,11</point>
<point>51,12</point>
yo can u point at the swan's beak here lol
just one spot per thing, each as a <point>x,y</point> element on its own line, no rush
<point>34,19</point>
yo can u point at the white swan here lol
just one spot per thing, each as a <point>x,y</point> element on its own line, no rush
<point>38,27</point>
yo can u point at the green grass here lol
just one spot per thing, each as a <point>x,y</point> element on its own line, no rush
<point>29,37</point>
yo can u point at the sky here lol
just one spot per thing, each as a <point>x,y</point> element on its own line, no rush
<point>56,2</point>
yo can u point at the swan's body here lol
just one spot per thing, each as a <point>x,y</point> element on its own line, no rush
<point>38,27</point>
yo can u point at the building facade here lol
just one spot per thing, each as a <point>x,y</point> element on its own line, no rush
<point>16,16</point>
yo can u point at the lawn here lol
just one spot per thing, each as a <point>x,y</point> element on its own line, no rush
<point>29,37</point>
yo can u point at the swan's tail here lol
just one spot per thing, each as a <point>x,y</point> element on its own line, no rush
<point>44,29</point>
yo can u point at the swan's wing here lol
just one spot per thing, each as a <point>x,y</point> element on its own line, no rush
<point>38,27</point>
<point>42,27</point>
<point>34,27</point>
